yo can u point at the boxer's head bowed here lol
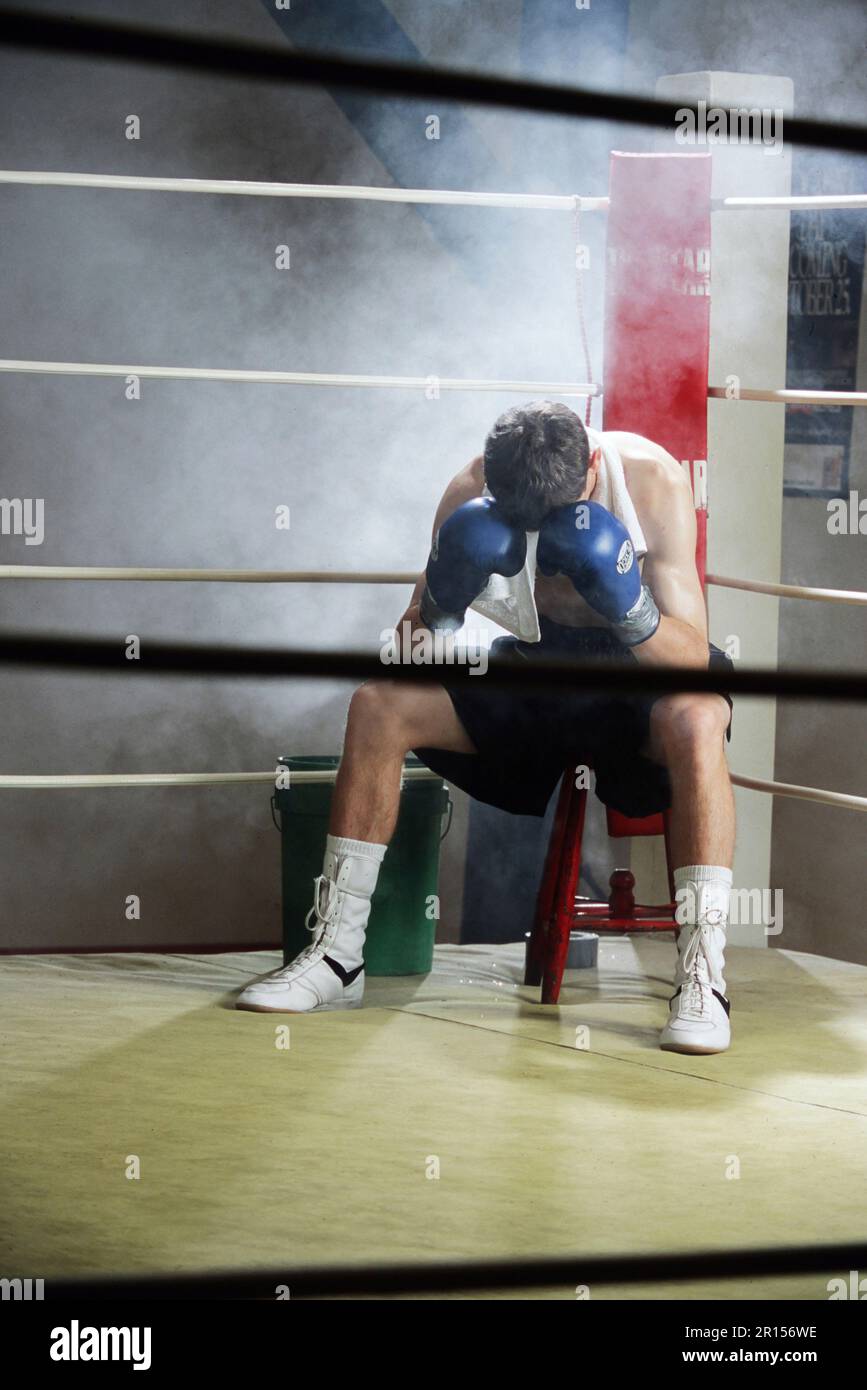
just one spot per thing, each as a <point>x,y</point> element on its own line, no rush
<point>536,458</point>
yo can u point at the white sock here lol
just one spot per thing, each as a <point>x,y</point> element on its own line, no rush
<point>702,895</point>
<point>364,860</point>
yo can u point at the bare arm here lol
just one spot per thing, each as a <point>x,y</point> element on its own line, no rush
<point>670,572</point>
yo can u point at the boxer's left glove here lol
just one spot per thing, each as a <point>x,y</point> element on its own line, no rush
<point>592,548</point>
<point>471,545</point>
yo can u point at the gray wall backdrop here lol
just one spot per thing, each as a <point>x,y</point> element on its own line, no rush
<point>192,473</point>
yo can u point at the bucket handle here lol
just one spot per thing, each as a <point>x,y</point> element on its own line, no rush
<point>451,808</point>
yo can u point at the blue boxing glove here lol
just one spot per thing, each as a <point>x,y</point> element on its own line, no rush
<point>472,544</point>
<point>592,548</point>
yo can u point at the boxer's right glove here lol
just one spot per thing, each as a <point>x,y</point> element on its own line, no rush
<point>593,548</point>
<point>471,545</point>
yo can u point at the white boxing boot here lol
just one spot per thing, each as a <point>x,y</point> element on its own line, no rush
<point>699,1008</point>
<point>329,973</point>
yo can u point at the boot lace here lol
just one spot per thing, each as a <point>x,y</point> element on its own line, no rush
<point>324,907</point>
<point>696,989</point>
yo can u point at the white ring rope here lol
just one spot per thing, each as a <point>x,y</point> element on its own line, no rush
<point>365,193</point>
<point>800,203</point>
<point>852,803</point>
<point>186,779</point>
<point>183,576</point>
<point>413,774</point>
<point>785,397</point>
<point>209,576</point>
<point>344,192</point>
<point>756,586</point>
<point>411,383</point>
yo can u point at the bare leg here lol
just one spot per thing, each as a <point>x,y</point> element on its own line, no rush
<point>386,720</point>
<point>687,736</point>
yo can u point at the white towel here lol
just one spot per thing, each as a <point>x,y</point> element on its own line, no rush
<point>512,602</point>
<point>610,490</point>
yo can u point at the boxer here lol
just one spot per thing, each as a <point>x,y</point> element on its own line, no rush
<point>600,530</point>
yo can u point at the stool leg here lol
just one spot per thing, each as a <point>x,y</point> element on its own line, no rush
<point>545,898</point>
<point>557,941</point>
<point>666,831</point>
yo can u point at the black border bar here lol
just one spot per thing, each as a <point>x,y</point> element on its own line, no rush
<point>431,1277</point>
<point>171,49</point>
<point>535,673</point>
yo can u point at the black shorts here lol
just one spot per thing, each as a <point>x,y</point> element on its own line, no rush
<point>525,740</point>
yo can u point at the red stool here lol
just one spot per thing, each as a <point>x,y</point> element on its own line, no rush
<point>559,910</point>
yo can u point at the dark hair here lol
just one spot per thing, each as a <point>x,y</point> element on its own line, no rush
<point>536,458</point>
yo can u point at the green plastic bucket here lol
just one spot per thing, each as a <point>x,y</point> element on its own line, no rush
<point>404,912</point>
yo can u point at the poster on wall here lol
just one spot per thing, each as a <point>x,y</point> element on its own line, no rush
<point>826,264</point>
